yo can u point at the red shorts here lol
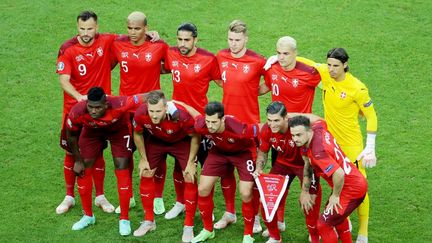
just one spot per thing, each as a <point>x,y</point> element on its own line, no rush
<point>93,141</point>
<point>292,172</point>
<point>218,164</point>
<point>348,206</point>
<point>157,150</point>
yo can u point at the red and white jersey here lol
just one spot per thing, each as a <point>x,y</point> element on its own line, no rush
<point>116,115</point>
<point>237,136</point>
<point>168,130</point>
<point>241,79</point>
<point>191,76</point>
<point>294,88</point>
<point>288,153</point>
<point>140,66</point>
<point>326,157</point>
<point>88,66</point>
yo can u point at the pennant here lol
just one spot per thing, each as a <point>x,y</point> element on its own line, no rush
<point>271,188</point>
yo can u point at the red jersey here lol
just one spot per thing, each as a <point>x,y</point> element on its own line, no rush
<point>191,76</point>
<point>294,88</point>
<point>168,130</point>
<point>326,157</point>
<point>288,153</point>
<point>140,66</point>
<point>115,117</point>
<point>237,136</point>
<point>88,66</point>
<point>241,79</point>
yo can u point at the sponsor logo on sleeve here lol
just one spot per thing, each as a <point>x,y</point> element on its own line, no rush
<point>69,123</point>
<point>136,99</point>
<point>60,66</point>
<point>328,168</point>
<point>369,103</point>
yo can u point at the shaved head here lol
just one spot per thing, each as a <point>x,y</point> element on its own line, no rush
<point>287,41</point>
<point>137,16</point>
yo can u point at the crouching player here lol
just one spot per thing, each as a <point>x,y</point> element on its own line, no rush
<point>276,134</point>
<point>323,155</point>
<point>99,119</point>
<point>233,145</point>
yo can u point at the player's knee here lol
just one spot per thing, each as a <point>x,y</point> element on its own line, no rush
<point>245,194</point>
<point>203,191</point>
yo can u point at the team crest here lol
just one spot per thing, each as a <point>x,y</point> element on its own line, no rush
<point>295,83</point>
<point>246,68</point>
<point>148,57</point>
<point>174,63</point>
<point>231,140</point>
<point>291,143</point>
<point>169,131</point>
<point>197,68</point>
<point>343,95</point>
<point>124,54</point>
<point>100,51</point>
<point>271,187</point>
<point>272,140</point>
<point>274,77</point>
<point>79,58</point>
<point>224,64</point>
<point>60,66</point>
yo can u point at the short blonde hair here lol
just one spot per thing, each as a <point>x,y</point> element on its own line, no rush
<point>287,41</point>
<point>137,16</point>
<point>238,26</point>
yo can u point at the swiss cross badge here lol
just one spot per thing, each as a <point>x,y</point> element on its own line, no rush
<point>343,95</point>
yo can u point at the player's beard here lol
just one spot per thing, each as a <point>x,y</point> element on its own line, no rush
<point>184,50</point>
<point>86,39</point>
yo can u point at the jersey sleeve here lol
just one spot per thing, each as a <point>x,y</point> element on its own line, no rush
<point>215,71</point>
<point>325,162</point>
<point>264,139</point>
<point>73,123</point>
<point>134,102</point>
<point>267,78</point>
<point>200,125</point>
<point>365,103</point>
<point>64,65</point>
<point>138,120</point>
<point>315,78</point>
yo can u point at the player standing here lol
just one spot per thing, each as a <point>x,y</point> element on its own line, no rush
<point>140,66</point>
<point>293,83</point>
<point>192,69</point>
<point>83,62</point>
<point>241,70</point>
<point>323,155</point>
<point>344,99</point>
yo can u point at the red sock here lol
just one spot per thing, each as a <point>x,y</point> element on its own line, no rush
<point>206,205</point>
<point>69,174</point>
<point>147,189</point>
<point>271,226</point>
<point>248,217</point>
<point>131,167</point>
<point>178,183</point>
<point>344,232</point>
<point>159,179</point>
<point>85,191</point>
<point>99,175</point>
<point>229,186</point>
<point>280,213</point>
<point>255,199</point>
<point>312,219</point>
<point>191,197</point>
<point>327,233</point>
<point>124,192</point>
